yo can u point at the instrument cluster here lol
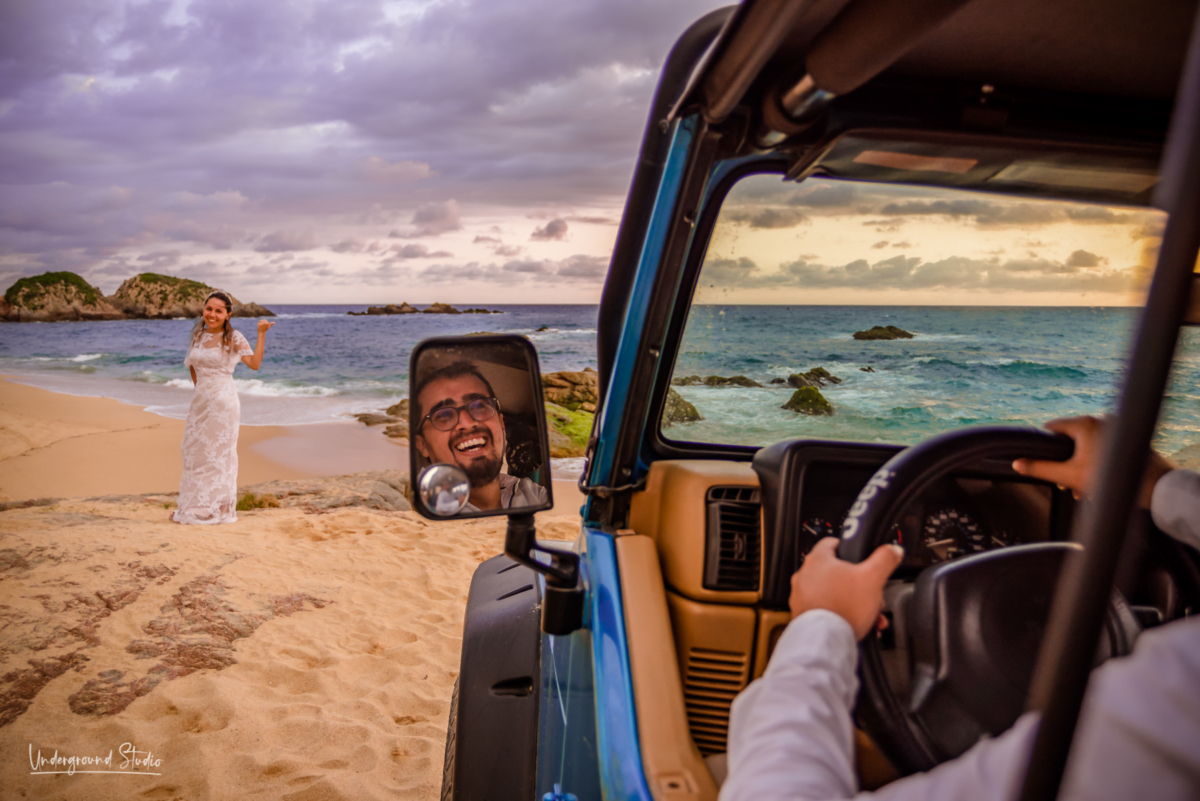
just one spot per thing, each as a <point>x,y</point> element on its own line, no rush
<point>959,516</point>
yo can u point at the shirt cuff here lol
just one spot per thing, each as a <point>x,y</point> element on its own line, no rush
<point>1175,506</point>
<point>818,635</point>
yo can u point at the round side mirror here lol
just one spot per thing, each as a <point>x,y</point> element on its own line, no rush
<point>444,489</point>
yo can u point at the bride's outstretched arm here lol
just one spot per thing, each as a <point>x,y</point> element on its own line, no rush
<point>254,360</point>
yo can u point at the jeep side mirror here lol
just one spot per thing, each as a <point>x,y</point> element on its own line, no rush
<point>477,428</point>
<point>478,447</point>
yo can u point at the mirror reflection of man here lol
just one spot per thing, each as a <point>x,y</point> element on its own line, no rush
<point>459,422</point>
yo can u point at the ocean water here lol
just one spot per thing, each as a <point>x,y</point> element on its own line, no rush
<point>966,365</point>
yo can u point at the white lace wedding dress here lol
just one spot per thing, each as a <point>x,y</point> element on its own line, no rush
<point>208,490</point>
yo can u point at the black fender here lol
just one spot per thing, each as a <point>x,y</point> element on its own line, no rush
<point>499,683</point>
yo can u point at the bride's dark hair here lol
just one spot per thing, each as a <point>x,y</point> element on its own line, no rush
<point>226,331</point>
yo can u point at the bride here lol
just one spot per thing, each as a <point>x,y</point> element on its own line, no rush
<point>208,489</point>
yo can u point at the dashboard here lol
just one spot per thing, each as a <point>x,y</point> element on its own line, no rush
<point>808,487</point>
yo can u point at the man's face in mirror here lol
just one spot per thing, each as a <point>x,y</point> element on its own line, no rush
<point>477,446</point>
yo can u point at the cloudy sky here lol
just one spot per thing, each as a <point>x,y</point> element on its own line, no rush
<point>468,151</point>
<point>825,241</point>
<point>349,151</point>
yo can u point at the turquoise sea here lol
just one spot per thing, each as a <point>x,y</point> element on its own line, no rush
<point>966,365</point>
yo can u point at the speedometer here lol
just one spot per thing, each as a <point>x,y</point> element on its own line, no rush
<point>950,533</point>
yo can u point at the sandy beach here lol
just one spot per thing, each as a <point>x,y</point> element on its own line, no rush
<point>304,652</point>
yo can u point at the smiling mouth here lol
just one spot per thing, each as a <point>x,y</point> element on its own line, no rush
<point>471,445</point>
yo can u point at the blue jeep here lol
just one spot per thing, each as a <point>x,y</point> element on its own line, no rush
<point>607,669</point>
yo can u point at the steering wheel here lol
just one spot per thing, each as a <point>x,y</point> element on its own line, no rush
<point>975,623</point>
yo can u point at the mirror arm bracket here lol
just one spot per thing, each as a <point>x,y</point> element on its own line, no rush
<point>562,602</point>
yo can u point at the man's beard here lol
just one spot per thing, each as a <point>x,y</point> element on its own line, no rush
<point>482,472</point>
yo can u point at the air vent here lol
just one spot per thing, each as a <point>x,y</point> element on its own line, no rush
<point>733,540</point>
<point>711,681</point>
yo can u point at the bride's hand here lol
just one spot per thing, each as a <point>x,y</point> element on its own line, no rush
<point>263,325</point>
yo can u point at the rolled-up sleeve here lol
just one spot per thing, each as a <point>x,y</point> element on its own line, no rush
<point>791,733</point>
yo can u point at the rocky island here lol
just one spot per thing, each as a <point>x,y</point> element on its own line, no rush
<point>404,308</point>
<point>65,296</point>
<point>883,332</point>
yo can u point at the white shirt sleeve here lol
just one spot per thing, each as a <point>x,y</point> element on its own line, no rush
<point>1175,506</point>
<point>791,732</point>
<point>791,735</point>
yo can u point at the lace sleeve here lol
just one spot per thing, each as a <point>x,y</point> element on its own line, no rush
<point>240,346</point>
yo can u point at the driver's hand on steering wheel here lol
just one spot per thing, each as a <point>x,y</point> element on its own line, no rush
<point>851,591</point>
<point>1077,473</point>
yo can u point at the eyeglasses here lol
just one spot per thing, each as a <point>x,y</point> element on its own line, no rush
<point>445,418</point>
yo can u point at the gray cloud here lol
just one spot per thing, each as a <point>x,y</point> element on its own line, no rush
<point>768,217</point>
<point>432,219</point>
<point>555,229</point>
<point>910,272</point>
<point>419,251</point>
<point>281,241</point>
<point>574,269</point>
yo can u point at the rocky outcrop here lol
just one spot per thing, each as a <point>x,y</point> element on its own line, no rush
<point>883,332</point>
<point>715,381</point>
<point>55,297</point>
<point>573,390</point>
<point>404,308</point>
<point>678,410</point>
<point>52,297</point>
<point>808,400</point>
<point>164,297</point>
<point>816,377</point>
<point>391,308</point>
<point>385,490</point>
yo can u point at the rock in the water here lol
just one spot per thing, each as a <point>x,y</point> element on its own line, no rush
<point>883,332</point>
<point>54,297</point>
<point>399,409</point>
<point>441,308</point>
<point>391,308</point>
<point>544,328</point>
<point>778,380</point>
<point>808,400</point>
<point>573,390</point>
<point>867,369</point>
<point>480,311</point>
<point>816,377</point>
<point>715,381</point>
<point>678,410</point>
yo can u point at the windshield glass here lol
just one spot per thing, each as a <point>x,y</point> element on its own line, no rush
<point>884,313</point>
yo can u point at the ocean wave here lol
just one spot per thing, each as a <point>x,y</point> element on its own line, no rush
<point>86,357</point>
<point>267,389</point>
<point>271,389</point>
<point>1043,370</point>
<point>567,468</point>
